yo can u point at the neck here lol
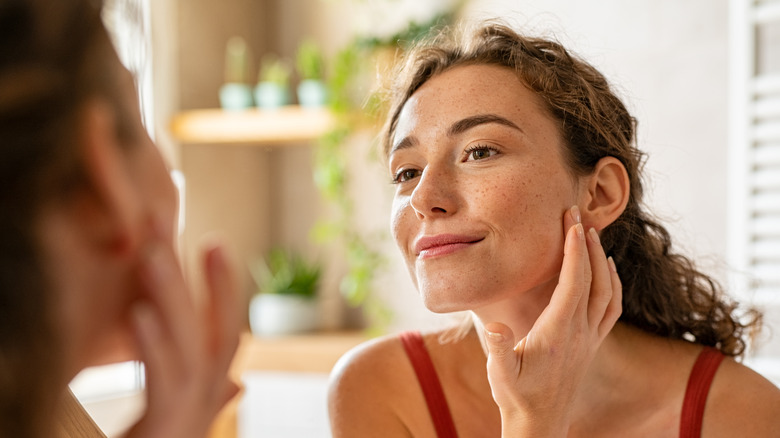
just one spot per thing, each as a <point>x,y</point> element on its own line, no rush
<point>519,312</point>
<point>611,384</point>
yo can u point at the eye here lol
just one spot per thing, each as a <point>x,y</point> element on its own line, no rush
<point>480,152</point>
<point>404,175</point>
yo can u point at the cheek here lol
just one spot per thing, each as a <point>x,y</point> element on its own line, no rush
<point>402,225</point>
<point>528,209</point>
<point>399,221</point>
<point>160,193</point>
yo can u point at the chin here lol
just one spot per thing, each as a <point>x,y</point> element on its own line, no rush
<point>448,292</point>
<point>446,300</point>
<point>439,307</point>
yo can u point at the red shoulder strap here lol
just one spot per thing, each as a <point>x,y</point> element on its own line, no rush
<point>696,393</point>
<point>430,384</point>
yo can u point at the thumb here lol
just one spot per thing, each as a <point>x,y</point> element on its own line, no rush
<point>500,340</point>
<point>503,364</point>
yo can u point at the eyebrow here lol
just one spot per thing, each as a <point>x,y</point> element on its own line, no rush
<point>464,125</point>
<point>460,127</point>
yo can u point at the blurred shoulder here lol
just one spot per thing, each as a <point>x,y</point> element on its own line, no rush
<point>741,403</point>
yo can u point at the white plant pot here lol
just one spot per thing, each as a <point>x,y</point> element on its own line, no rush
<point>276,315</point>
<point>269,95</point>
<point>235,96</point>
<point>312,93</point>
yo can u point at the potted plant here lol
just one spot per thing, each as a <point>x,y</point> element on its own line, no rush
<point>312,92</point>
<point>236,93</point>
<point>286,298</point>
<point>273,83</point>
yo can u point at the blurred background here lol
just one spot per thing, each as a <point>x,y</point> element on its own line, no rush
<point>299,190</point>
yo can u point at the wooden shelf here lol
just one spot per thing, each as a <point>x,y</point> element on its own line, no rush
<point>315,352</point>
<point>252,126</point>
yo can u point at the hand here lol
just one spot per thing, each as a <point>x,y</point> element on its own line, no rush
<point>535,382</point>
<point>186,351</point>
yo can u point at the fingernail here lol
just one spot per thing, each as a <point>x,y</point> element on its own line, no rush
<point>594,236</point>
<point>580,231</point>
<point>575,213</point>
<point>498,337</point>
<point>611,263</point>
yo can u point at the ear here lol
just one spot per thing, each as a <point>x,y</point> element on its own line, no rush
<point>607,194</point>
<point>109,203</point>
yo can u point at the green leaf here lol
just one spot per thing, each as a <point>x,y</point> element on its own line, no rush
<point>286,273</point>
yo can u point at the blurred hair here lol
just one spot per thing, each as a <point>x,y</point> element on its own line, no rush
<point>663,292</point>
<point>54,55</point>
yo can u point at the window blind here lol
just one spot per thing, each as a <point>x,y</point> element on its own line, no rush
<point>764,150</point>
<point>754,168</point>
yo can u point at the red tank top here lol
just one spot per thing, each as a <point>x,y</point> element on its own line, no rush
<point>699,383</point>
<point>429,382</point>
<point>690,418</point>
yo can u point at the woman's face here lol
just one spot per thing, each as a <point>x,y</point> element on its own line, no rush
<point>97,291</point>
<point>481,189</point>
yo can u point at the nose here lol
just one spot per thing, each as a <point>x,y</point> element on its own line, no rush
<point>435,194</point>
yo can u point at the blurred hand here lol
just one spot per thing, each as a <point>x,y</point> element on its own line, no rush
<point>535,381</point>
<point>186,350</point>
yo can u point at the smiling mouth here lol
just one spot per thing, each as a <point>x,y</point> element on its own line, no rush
<point>428,247</point>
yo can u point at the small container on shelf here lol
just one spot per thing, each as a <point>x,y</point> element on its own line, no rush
<point>235,93</point>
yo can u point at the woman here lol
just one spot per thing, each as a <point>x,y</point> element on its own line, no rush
<point>516,175</point>
<point>88,271</point>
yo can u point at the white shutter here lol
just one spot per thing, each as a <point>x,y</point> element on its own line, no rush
<point>754,160</point>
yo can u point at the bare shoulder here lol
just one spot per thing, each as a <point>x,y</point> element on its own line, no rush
<point>368,386</point>
<point>367,367</point>
<point>741,403</point>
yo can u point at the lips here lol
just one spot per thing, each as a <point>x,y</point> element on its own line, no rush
<point>443,244</point>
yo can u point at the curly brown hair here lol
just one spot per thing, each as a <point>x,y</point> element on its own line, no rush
<point>663,292</point>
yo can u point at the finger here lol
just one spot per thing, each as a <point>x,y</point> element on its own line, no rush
<point>615,306</point>
<point>503,364</point>
<point>162,277</point>
<point>601,290</point>
<point>574,279</point>
<point>552,316</point>
<point>155,352</point>
<point>500,340</point>
<point>574,218</point>
<point>571,217</point>
<point>223,311</point>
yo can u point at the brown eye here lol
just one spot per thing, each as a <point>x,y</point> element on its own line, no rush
<point>479,153</point>
<point>405,175</point>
